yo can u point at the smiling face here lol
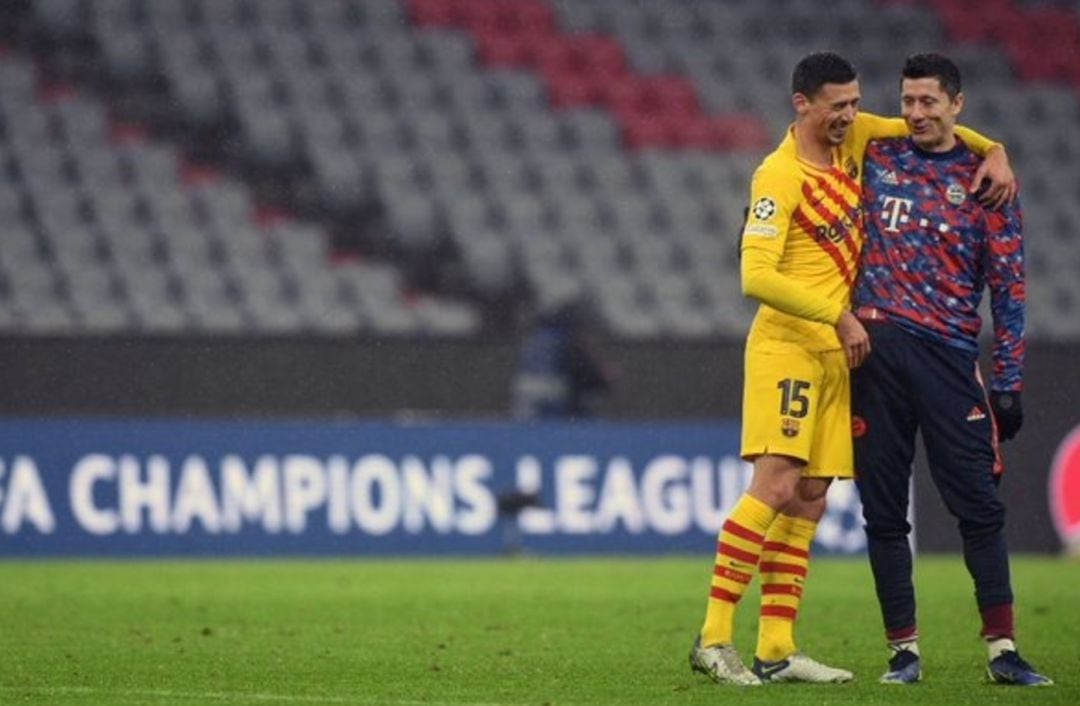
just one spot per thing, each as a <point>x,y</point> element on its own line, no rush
<point>829,114</point>
<point>930,113</point>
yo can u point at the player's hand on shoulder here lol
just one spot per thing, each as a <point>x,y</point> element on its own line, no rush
<point>854,339</point>
<point>994,183</point>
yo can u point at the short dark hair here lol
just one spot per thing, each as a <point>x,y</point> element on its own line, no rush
<point>819,68</point>
<point>936,66</point>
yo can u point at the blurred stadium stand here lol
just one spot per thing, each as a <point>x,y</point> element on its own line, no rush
<point>432,167</point>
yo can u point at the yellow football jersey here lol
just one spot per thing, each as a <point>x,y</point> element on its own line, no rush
<point>804,234</point>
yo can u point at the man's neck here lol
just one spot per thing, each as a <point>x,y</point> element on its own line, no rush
<point>946,145</point>
<point>811,149</point>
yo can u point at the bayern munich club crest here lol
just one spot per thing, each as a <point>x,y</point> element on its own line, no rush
<point>1064,490</point>
<point>955,193</point>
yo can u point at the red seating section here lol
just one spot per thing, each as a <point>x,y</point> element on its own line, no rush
<point>655,112</point>
<point>1043,43</point>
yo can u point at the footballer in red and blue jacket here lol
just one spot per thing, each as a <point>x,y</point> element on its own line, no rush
<point>931,251</point>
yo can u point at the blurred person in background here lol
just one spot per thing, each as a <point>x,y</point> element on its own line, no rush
<point>800,248</point>
<point>560,374</point>
<point>931,250</point>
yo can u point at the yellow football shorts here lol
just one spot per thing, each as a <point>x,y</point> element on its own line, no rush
<point>798,403</point>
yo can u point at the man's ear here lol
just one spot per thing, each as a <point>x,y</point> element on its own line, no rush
<point>958,104</point>
<point>800,102</point>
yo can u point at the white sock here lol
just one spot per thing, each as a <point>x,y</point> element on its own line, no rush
<point>998,645</point>
<point>902,645</point>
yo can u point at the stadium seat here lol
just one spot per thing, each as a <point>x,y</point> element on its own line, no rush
<point>495,134</point>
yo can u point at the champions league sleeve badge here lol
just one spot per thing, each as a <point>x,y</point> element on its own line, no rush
<point>764,208</point>
<point>761,212</point>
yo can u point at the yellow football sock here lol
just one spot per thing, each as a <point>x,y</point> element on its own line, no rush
<point>737,550</point>
<point>785,559</point>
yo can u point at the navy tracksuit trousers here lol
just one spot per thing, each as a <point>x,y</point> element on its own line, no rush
<point>908,384</point>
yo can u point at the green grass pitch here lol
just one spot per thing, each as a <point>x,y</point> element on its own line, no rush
<point>521,631</point>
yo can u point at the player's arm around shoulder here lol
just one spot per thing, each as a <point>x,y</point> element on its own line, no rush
<point>871,126</point>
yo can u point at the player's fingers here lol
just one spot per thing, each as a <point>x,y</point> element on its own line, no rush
<point>1002,197</point>
<point>857,352</point>
<point>977,179</point>
<point>864,351</point>
<point>1007,194</point>
<point>992,194</point>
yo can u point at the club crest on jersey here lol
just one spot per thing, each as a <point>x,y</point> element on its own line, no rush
<point>789,427</point>
<point>764,208</point>
<point>955,194</point>
<point>851,167</point>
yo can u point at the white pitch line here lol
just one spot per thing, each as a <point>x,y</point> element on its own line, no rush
<point>227,696</point>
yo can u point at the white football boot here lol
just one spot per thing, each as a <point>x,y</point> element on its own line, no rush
<point>722,664</point>
<point>800,668</point>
